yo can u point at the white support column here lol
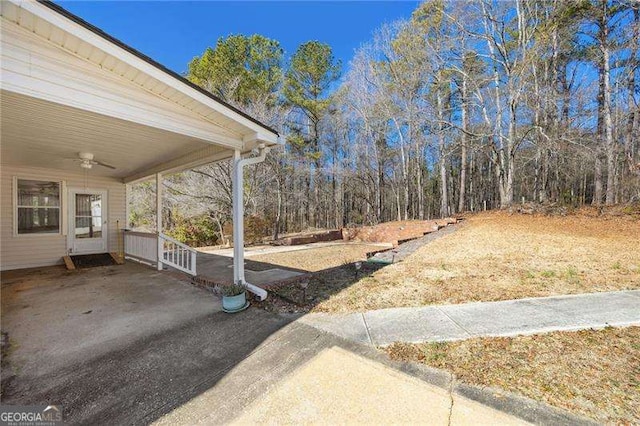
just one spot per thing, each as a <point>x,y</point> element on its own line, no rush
<point>127,207</point>
<point>125,223</point>
<point>238,220</point>
<point>159,217</point>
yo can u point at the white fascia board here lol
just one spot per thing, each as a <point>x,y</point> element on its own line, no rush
<point>260,137</point>
<point>106,46</point>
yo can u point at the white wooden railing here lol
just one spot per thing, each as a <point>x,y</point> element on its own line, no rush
<point>144,247</point>
<point>141,246</point>
<point>177,255</point>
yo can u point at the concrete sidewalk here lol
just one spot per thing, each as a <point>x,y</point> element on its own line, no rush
<point>506,318</point>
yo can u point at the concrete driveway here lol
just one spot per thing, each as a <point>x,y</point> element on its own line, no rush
<point>128,345</point>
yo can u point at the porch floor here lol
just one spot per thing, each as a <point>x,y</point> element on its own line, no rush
<point>55,317</point>
<point>119,344</point>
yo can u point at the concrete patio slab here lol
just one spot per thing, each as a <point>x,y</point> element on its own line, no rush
<point>468,412</point>
<point>120,344</point>
<point>301,375</point>
<point>55,317</point>
<point>269,276</point>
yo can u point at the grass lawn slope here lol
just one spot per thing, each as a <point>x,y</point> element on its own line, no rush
<point>498,256</point>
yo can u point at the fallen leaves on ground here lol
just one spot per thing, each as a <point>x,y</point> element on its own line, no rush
<point>595,373</point>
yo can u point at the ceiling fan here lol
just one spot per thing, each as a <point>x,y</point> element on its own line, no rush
<point>86,161</point>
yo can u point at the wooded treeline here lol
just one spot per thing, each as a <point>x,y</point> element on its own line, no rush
<point>465,106</point>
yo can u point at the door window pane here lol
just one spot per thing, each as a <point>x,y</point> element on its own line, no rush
<point>88,205</point>
<point>88,227</point>
<point>88,216</point>
<point>38,209</point>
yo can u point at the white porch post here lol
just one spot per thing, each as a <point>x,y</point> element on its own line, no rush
<point>127,207</point>
<point>159,217</point>
<point>238,220</point>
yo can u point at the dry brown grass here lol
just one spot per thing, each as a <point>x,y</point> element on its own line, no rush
<point>496,256</point>
<point>318,259</point>
<point>593,373</point>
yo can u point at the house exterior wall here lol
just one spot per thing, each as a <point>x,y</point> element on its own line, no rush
<point>27,251</point>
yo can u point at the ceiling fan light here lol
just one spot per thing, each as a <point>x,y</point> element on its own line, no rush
<point>87,156</point>
<point>86,165</point>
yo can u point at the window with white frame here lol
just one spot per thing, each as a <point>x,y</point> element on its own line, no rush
<point>37,207</point>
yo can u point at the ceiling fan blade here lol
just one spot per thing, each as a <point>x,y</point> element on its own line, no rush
<point>100,163</point>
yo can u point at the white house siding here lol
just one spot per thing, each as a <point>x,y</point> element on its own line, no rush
<point>29,251</point>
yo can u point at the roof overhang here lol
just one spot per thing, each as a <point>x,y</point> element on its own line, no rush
<point>58,62</point>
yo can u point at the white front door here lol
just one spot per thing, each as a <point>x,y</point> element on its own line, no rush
<point>87,221</point>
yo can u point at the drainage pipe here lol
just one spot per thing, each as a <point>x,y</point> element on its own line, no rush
<point>238,218</point>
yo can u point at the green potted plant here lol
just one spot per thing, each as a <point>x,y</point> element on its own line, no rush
<point>234,298</point>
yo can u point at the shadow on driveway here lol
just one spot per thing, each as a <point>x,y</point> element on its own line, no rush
<point>118,344</point>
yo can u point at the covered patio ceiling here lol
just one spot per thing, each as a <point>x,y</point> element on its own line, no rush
<point>39,133</point>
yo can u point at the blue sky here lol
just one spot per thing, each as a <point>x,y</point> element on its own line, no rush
<point>173,32</point>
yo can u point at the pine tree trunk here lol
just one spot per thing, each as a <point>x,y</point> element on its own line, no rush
<point>606,106</point>
<point>463,141</point>
<point>444,196</point>
<point>597,181</point>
